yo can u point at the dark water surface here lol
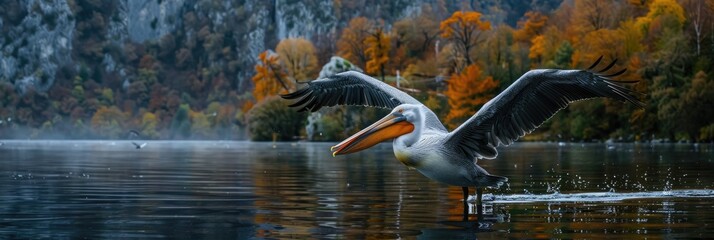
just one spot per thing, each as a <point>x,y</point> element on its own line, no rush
<point>228,190</point>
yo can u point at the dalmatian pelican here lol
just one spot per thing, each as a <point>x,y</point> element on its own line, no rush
<point>422,142</point>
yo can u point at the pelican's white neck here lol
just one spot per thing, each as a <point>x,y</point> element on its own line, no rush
<point>416,117</point>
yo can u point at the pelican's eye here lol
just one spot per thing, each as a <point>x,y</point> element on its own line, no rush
<point>401,110</point>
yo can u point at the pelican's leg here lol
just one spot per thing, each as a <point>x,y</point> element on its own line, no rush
<point>479,204</point>
<point>466,204</point>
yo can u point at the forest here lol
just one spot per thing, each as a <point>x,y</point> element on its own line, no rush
<point>184,84</point>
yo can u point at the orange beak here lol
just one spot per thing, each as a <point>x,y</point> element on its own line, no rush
<point>391,126</point>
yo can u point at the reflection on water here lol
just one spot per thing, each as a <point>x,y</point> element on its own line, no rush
<point>188,190</point>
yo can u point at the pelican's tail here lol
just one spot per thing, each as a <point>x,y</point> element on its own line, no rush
<point>493,181</point>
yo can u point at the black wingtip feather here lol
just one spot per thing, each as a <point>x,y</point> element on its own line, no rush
<point>618,73</point>
<point>595,63</point>
<point>628,95</point>
<point>294,95</point>
<point>608,66</point>
<point>302,101</point>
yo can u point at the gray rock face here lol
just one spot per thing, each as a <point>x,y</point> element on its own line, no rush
<point>37,35</point>
<point>36,44</point>
<point>297,19</point>
<point>337,65</point>
<point>146,20</point>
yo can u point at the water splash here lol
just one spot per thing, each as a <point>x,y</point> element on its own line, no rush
<point>597,196</point>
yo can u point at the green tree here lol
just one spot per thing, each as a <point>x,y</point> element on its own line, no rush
<point>200,125</point>
<point>563,56</point>
<point>181,123</point>
<point>695,110</point>
<point>272,119</point>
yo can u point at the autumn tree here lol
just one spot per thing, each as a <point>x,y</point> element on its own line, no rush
<point>603,42</point>
<point>592,15</point>
<point>414,39</point>
<point>108,122</point>
<point>378,46</point>
<point>532,26</point>
<point>464,30</point>
<point>200,125</point>
<point>466,93</point>
<point>149,124</point>
<point>351,44</point>
<point>499,51</point>
<point>537,49</point>
<point>299,58</point>
<point>270,77</point>
<point>661,15</point>
<point>418,34</point>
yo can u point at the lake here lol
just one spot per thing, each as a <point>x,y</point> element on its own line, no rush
<point>235,190</point>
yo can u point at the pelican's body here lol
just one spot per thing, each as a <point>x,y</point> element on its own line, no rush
<point>417,150</point>
<point>445,167</point>
<point>422,142</point>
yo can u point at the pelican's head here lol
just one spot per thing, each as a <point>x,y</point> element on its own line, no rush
<point>399,123</point>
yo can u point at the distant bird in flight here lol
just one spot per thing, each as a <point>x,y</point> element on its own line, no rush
<point>139,146</point>
<point>135,134</point>
<point>422,142</point>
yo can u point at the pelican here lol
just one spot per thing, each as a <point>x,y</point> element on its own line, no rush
<point>422,142</point>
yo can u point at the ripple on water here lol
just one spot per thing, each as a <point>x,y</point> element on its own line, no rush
<point>194,190</point>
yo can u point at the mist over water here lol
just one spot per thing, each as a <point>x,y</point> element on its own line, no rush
<point>229,189</point>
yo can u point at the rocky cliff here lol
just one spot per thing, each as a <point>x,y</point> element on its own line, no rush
<point>41,36</point>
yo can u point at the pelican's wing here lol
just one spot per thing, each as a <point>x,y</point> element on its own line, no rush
<point>528,102</point>
<point>348,88</point>
<point>133,133</point>
<point>136,144</point>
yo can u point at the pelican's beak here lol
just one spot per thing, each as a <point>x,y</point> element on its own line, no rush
<point>391,126</point>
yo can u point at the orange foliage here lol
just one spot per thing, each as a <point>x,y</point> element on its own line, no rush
<point>108,121</point>
<point>270,78</point>
<point>603,42</point>
<point>466,93</point>
<point>537,47</point>
<point>639,3</point>
<point>531,27</point>
<point>592,15</point>
<point>378,47</point>
<point>351,44</point>
<point>464,29</point>
<point>658,8</point>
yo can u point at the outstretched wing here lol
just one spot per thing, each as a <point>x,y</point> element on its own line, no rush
<point>133,134</point>
<point>530,101</point>
<point>348,88</point>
